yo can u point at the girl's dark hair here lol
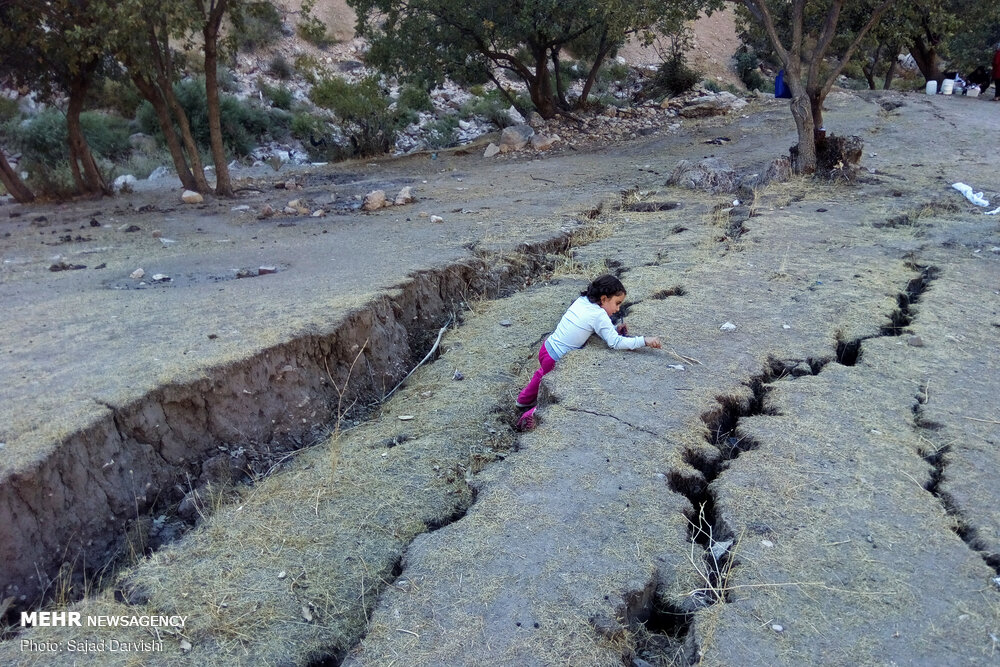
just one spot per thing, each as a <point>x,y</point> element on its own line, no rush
<point>606,285</point>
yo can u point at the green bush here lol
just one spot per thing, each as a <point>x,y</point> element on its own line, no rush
<point>311,28</point>
<point>363,110</point>
<point>280,68</point>
<point>491,106</point>
<point>442,132</point>
<point>257,24</point>
<point>748,69</point>
<point>414,98</point>
<point>244,125</point>
<point>9,109</point>
<point>118,95</point>
<point>44,138</point>
<point>280,97</point>
<point>50,181</point>
<point>673,77</point>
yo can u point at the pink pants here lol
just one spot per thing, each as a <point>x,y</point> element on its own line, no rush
<point>530,393</point>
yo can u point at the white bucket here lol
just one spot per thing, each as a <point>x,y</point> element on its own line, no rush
<point>932,87</point>
<point>972,91</point>
<point>947,86</point>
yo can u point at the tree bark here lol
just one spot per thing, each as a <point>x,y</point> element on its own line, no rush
<point>223,186</point>
<point>93,181</point>
<point>804,157</point>
<point>893,63</point>
<point>560,93</point>
<point>540,87</point>
<point>11,180</point>
<point>602,52</point>
<point>926,57</point>
<point>152,94</point>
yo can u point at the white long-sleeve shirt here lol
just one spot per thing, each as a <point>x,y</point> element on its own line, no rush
<point>582,319</point>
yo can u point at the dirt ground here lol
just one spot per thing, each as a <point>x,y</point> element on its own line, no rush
<point>814,486</point>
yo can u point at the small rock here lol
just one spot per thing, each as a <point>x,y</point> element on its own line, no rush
<point>289,210</point>
<point>295,203</point>
<point>728,326</point>
<point>405,196</point>
<point>237,209</point>
<point>676,367</point>
<point>94,222</point>
<point>125,183</point>
<point>996,580</point>
<point>282,574</point>
<point>767,543</point>
<point>159,172</point>
<point>138,274</point>
<point>264,270</point>
<point>535,119</point>
<point>245,273</point>
<point>785,326</point>
<point>515,137</point>
<point>777,628</point>
<point>915,341</point>
<point>374,200</point>
<point>128,229</point>
<point>405,418</point>
<point>267,211</point>
<point>458,376</point>
<point>515,115</point>
<point>291,185</point>
<point>161,278</point>
<point>505,323</point>
<point>192,197</point>
<point>437,218</point>
<point>318,213</point>
<point>157,233</point>
<point>185,645</point>
<point>491,150</point>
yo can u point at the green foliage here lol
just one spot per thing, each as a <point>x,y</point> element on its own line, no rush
<point>491,106</point>
<point>308,67</point>
<point>280,68</point>
<point>414,98</point>
<point>118,95</point>
<point>8,109</point>
<point>44,139</point>
<point>311,28</point>
<point>748,69</point>
<point>673,78</point>
<point>256,24</point>
<point>244,125</point>
<point>442,132</point>
<point>363,109</point>
<point>280,97</point>
<point>50,181</point>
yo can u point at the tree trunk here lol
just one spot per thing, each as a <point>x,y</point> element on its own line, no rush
<point>926,57</point>
<point>804,157</point>
<point>816,108</point>
<point>560,93</point>
<point>540,88</point>
<point>152,94</point>
<point>869,68</point>
<point>602,52</point>
<point>891,72</point>
<point>223,186</point>
<point>12,181</point>
<point>93,181</point>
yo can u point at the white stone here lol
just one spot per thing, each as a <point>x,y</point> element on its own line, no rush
<point>541,142</point>
<point>125,180</point>
<point>515,115</point>
<point>191,197</point>
<point>491,150</point>
<point>137,274</point>
<point>405,196</point>
<point>437,218</point>
<point>374,200</point>
<point>728,326</point>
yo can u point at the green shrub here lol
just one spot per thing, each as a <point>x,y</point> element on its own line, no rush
<point>50,181</point>
<point>414,98</point>
<point>280,97</point>
<point>492,107</point>
<point>748,69</point>
<point>311,28</point>
<point>280,68</point>
<point>9,109</point>
<point>363,109</point>
<point>44,138</point>
<point>244,125</point>
<point>118,95</point>
<point>673,77</point>
<point>441,133</point>
<point>257,24</point>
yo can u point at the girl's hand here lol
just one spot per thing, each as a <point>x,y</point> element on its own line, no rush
<point>622,329</point>
<point>653,343</point>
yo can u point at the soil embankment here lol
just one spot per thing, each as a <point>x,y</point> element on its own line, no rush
<point>819,487</point>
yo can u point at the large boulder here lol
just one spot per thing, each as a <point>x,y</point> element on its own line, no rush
<point>515,137</point>
<point>715,104</point>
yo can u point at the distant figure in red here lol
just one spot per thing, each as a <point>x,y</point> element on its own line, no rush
<point>996,75</point>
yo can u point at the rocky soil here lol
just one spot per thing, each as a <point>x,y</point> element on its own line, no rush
<point>806,474</point>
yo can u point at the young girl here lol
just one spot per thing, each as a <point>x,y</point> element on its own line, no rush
<point>591,313</point>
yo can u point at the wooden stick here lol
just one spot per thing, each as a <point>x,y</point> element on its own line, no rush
<point>690,360</point>
<point>429,354</point>
<point>985,421</point>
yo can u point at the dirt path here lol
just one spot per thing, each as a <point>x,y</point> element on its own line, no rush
<point>849,466</point>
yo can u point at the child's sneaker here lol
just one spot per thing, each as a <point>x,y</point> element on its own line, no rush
<point>527,421</point>
<point>522,406</point>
